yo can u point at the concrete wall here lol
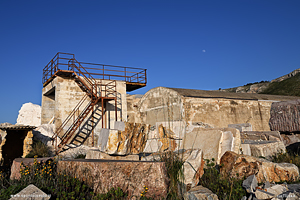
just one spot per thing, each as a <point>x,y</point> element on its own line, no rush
<point>166,105</point>
<point>62,95</point>
<point>220,112</point>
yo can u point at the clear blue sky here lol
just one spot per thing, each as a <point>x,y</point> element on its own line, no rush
<point>186,44</point>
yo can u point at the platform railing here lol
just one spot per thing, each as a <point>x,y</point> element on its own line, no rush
<point>98,71</point>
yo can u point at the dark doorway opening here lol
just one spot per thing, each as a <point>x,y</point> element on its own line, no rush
<point>13,147</point>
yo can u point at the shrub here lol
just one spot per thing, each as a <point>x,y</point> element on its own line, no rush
<point>224,187</point>
<point>39,149</point>
<point>174,166</point>
<point>286,158</point>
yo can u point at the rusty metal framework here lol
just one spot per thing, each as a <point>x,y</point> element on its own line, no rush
<point>134,77</point>
<point>90,78</point>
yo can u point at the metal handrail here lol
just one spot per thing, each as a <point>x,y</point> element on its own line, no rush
<point>109,72</point>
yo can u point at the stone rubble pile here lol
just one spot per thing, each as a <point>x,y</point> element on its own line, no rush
<point>269,191</point>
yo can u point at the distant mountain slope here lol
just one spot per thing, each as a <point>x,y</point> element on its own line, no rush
<point>288,85</point>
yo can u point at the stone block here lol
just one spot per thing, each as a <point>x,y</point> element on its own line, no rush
<point>31,192</point>
<point>245,149</point>
<point>119,125</point>
<point>193,166</point>
<point>130,176</point>
<point>152,145</point>
<point>200,193</point>
<point>214,142</point>
<point>267,148</point>
<point>103,138</point>
<point>130,141</point>
<point>247,136</point>
<point>16,165</point>
<point>241,127</point>
<point>240,166</point>
<point>96,154</point>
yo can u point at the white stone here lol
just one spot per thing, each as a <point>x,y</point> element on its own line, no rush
<point>214,142</point>
<point>102,139</point>
<point>31,192</point>
<point>152,145</point>
<point>245,149</point>
<point>119,125</point>
<point>193,163</point>
<point>44,133</point>
<point>30,114</point>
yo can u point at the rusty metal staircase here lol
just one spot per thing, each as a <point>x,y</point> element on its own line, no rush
<point>96,92</point>
<point>90,110</point>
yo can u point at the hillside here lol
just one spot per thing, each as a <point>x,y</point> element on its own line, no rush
<point>288,85</point>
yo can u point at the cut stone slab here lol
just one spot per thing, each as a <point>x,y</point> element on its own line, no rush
<point>267,149</point>
<point>193,166</point>
<point>119,126</point>
<point>241,127</point>
<point>260,135</point>
<point>44,133</point>
<point>31,192</point>
<point>130,176</point>
<point>200,193</point>
<point>152,146</point>
<point>245,149</point>
<point>263,169</point>
<point>214,142</point>
<point>96,154</point>
<point>30,114</point>
<point>15,168</point>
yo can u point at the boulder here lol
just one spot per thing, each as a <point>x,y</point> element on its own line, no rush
<point>30,114</point>
<point>200,193</point>
<point>240,166</point>
<point>130,176</point>
<point>250,184</point>
<point>31,192</point>
<point>96,154</point>
<point>214,142</point>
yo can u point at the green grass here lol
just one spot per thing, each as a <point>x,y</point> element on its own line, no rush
<point>288,87</point>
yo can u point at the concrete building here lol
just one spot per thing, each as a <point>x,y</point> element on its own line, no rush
<point>183,109</point>
<point>82,98</point>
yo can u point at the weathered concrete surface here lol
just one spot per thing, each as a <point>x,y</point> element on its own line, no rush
<point>214,142</point>
<point>96,154</point>
<point>130,176</point>
<point>200,193</point>
<point>285,116</point>
<point>16,165</point>
<point>31,192</point>
<point>215,108</point>
<point>30,114</point>
<point>61,96</point>
<point>244,166</point>
<point>130,141</point>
